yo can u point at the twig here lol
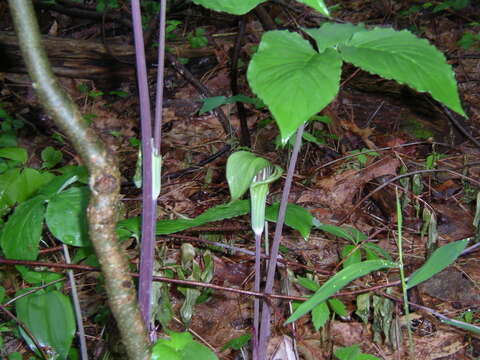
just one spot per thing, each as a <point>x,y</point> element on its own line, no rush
<point>187,282</point>
<point>242,114</point>
<point>435,313</point>
<point>459,126</point>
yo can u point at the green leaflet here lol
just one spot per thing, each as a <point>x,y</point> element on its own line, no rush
<point>49,316</point>
<point>292,79</point>
<point>21,234</point>
<point>180,346</point>
<point>296,217</point>
<point>405,58</point>
<point>337,282</point>
<point>234,7</point>
<point>439,260</point>
<point>318,5</point>
<point>66,216</point>
<point>332,34</point>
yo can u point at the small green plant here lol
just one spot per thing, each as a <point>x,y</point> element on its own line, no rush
<point>103,5</point>
<point>363,156</point>
<point>180,346</point>
<point>197,38</point>
<point>353,353</point>
<point>469,41</point>
<point>170,28</point>
<point>321,313</point>
<point>237,343</point>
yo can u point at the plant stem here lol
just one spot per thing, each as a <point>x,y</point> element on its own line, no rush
<point>148,203</point>
<point>402,275</point>
<point>265,321</point>
<point>256,287</point>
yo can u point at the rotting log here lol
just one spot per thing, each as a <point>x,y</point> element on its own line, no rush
<point>85,59</point>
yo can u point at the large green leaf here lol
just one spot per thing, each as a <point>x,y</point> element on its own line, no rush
<point>21,234</point>
<point>295,217</point>
<point>292,79</point>
<point>30,181</point>
<point>242,166</point>
<point>333,34</point>
<point>49,317</point>
<point>318,5</point>
<point>8,188</point>
<point>14,153</point>
<point>401,56</point>
<point>66,216</point>
<point>234,7</point>
<point>439,260</point>
<point>337,282</point>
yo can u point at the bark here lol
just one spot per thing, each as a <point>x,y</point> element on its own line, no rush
<point>104,181</point>
<point>86,59</point>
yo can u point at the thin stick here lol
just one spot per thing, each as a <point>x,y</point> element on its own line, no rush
<point>76,306</point>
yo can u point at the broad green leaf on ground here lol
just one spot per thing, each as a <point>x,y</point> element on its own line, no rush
<point>51,157</point>
<point>405,58</point>
<point>58,184</point>
<point>237,343</point>
<point>35,277</point>
<point>18,185</point>
<point>353,353</point>
<point>294,218</point>
<point>8,183</point>
<point>318,5</point>
<point>14,153</point>
<point>30,181</point>
<point>66,216</point>
<point>297,217</point>
<point>337,282</point>
<point>332,34</point>
<point>180,346</point>
<point>439,260</point>
<point>346,232</point>
<point>373,251</point>
<point>49,317</point>
<point>234,7</point>
<point>212,103</point>
<point>292,79</point>
<point>242,166</point>
<point>21,234</point>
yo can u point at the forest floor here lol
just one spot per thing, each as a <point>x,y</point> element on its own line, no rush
<point>368,114</point>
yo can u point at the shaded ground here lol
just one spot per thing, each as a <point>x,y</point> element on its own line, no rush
<point>369,113</point>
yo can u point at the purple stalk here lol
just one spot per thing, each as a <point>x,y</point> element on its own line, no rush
<point>157,132</point>
<point>256,301</point>
<point>265,321</point>
<point>149,203</point>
